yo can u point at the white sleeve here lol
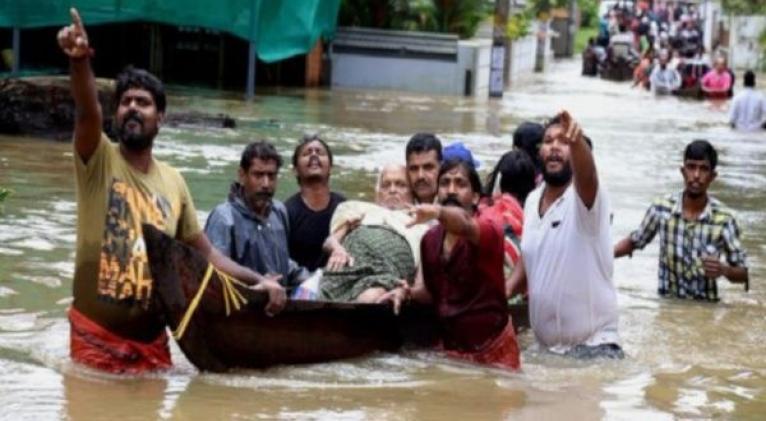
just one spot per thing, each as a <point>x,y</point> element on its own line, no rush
<point>592,221</point>
<point>733,113</point>
<point>763,111</point>
<point>654,79</point>
<point>676,80</point>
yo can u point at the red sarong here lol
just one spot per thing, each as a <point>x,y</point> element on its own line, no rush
<point>94,346</point>
<point>501,352</point>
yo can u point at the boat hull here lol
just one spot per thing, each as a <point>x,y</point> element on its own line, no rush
<point>304,332</point>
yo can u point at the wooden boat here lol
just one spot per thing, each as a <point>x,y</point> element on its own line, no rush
<point>304,332</point>
<point>620,71</point>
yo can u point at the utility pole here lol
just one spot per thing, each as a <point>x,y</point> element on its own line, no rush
<point>571,29</point>
<point>251,51</point>
<point>16,65</point>
<point>500,36</point>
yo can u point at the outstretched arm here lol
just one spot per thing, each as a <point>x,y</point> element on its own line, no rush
<point>583,165</point>
<point>403,293</point>
<point>624,248</point>
<point>269,283</point>
<point>518,279</point>
<point>73,41</point>
<point>455,220</point>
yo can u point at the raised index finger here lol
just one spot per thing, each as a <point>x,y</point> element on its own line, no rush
<point>566,119</point>
<point>76,20</point>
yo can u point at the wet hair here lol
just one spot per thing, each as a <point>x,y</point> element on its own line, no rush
<point>517,175</point>
<point>528,137</point>
<point>470,171</point>
<point>424,142</point>
<point>749,79</point>
<point>262,150</point>
<point>134,78</point>
<point>701,150</point>
<point>308,138</point>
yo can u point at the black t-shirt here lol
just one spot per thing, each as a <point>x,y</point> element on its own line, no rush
<point>309,230</point>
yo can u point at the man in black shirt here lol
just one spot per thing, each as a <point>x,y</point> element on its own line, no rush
<point>310,209</point>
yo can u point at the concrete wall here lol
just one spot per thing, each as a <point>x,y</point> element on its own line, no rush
<point>411,74</point>
<point>712,14</point>
<point>475,55</point>
<point>744,49</point>
<point>523,52</point>
<point>402,74</point>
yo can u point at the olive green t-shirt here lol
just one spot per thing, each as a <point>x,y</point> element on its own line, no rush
<point>113,200</point>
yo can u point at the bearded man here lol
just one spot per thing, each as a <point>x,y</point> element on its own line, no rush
<point>566,252</point>
<point>252,227</point>
<point>120,187</point>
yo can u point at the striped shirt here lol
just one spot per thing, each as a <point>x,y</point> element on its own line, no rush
<point>683,243</point>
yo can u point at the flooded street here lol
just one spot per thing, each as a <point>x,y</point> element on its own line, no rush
<point>684,359</point>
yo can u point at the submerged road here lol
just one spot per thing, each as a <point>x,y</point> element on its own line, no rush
<point>684,359</point>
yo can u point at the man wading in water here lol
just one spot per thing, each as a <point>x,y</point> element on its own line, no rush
<point>119,187</point>
<point>566,253</point>
<point>694,229</point>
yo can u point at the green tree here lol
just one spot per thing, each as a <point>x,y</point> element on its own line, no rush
<point>461,17</point>
<point>543,7</point>
<point>744,7</point>
<point>588,13</point>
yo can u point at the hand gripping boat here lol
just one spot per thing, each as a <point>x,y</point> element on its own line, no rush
<point>220,324</point>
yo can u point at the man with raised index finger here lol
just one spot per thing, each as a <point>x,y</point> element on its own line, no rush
<point>120,187</point>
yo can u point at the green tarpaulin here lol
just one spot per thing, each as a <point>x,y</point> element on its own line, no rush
<point>279,28</point>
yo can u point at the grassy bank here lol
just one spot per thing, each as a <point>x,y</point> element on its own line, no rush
<point>581,38</point>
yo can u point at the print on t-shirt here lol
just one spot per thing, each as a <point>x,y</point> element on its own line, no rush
<point>124,266</point>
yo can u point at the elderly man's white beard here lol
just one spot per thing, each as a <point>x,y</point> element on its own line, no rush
<point>392,203</point>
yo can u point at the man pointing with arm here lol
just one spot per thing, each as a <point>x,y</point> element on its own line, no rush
<point>566,250</point>
<point>119,188</point>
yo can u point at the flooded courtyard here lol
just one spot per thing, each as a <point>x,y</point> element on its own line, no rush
<point>684,359</point>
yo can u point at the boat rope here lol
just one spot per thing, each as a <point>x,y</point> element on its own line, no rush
<point>231,297</point>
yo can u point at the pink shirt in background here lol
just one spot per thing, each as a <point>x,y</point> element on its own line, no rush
<point>714,81</point>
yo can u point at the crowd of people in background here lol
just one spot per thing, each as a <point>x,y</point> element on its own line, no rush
<point>660,46</point>
<point>539,227</point>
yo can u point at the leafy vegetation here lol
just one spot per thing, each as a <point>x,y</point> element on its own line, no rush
<point>588,13</point>
<point>581,38</point>
<point>518,26</point>
<point>461,17</point>
<point>541,8</point>
<point>4,193</point>
<point>744,7</point>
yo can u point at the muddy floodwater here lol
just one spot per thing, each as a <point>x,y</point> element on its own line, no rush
<point>684,359</point>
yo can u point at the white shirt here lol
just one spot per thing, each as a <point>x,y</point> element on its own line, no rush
<point>664,81</point>
<point>748,110</point>
<point>568,258</point>
<point>372,214</point>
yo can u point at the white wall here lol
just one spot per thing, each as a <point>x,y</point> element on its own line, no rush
<point>475,55</point>
<point>712,13</point>
<point>415,74</point>
<point>523,57</point>
<point>744,50</point>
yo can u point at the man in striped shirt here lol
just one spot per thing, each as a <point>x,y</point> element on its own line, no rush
<point>695,229</point>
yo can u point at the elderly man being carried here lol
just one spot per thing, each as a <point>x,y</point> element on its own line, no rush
<point>370,246</point>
